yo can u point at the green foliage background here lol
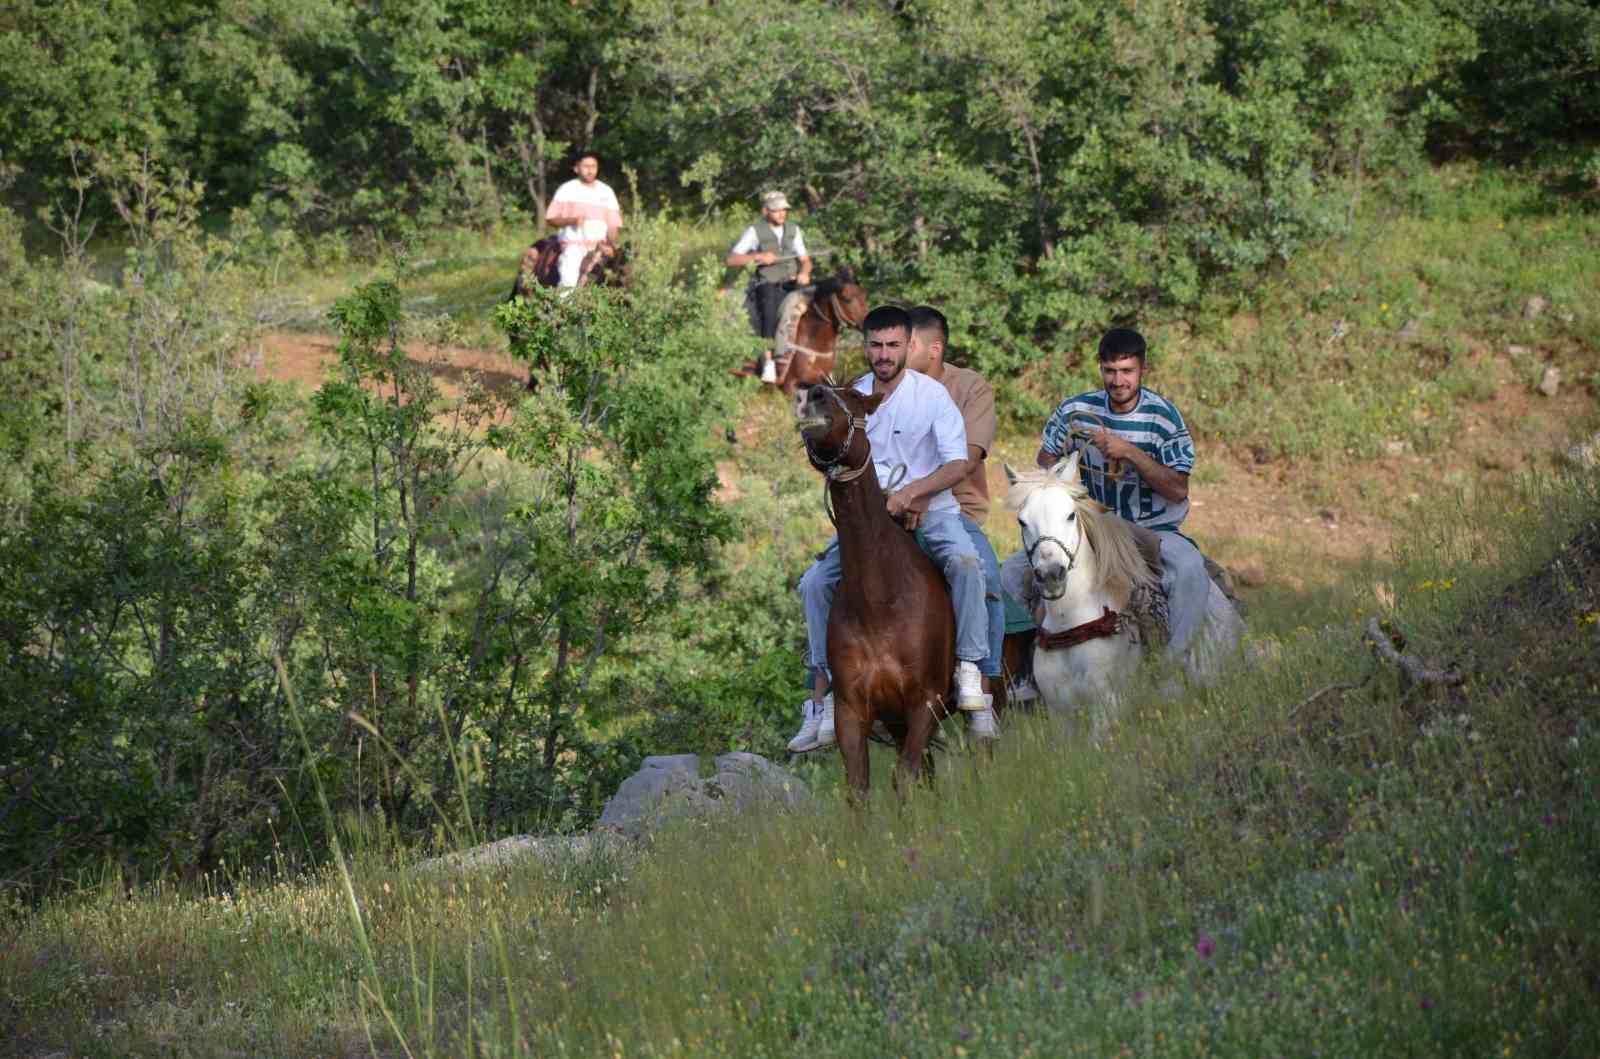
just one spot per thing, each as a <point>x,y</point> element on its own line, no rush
<point>489,606</point>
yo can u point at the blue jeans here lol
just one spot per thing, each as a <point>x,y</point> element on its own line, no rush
<point>992,603</point>
<point>1188,588</point>
<point>947,542</point>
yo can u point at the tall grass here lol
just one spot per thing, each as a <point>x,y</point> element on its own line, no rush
<point>1247,869</point>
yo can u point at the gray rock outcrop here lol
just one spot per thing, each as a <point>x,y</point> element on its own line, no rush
<point>672,784</point>
<point>666,785</point>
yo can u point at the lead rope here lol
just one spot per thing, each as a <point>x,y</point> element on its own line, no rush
<point>1113,468</point>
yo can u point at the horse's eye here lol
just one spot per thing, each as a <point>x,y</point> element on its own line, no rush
<point>1072,516</point>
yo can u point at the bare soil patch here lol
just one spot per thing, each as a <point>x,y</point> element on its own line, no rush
<point>303,359</point>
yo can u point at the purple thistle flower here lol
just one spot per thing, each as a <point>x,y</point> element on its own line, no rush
<point>1425,1003</point>
<point>1205,946</point>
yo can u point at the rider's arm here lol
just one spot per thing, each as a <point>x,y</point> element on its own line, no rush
<point>747,251</point>
<point>1173,485</point>
<point>1046,458</point>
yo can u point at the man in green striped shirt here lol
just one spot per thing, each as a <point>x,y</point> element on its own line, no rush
<point>1146,437</point>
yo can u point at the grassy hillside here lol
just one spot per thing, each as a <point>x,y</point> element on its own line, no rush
<point>1312,857</point>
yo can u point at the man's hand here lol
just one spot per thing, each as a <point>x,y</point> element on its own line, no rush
<point>907,510</point>
<point>765,257</point>
<point>1114,446</point>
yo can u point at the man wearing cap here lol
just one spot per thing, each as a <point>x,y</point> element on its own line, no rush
<point>588,214</point>
<point>778,251</point>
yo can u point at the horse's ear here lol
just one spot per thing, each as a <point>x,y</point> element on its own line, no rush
<point>1011,474</point>
<point>1067,470</point>
<point>873,402</point>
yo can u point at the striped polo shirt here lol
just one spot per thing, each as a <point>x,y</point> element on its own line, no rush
<point>1154,425</point>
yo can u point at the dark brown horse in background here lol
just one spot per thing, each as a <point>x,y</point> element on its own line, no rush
<point>541,265</point>
<point>891,629</point>
<point>837,303</point>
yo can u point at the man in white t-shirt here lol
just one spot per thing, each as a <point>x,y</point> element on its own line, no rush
<point>918,427</point>
<point>778,251</point>
<point>588,214</point>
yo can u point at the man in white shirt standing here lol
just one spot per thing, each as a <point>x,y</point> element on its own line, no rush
<point>778,251</point>
<point>918,427</point>
<point>588,214</point>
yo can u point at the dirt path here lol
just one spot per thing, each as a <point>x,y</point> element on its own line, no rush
<point>303,359</point>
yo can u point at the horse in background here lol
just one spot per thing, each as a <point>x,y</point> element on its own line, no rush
<point>1088,564</point>
<point>891,628</point>
<point>810,320</point>
<point>541,264</point>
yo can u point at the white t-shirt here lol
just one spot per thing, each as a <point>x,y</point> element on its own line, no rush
<point>749,244</point>
<point>918,426</point>
<point>586,212</point>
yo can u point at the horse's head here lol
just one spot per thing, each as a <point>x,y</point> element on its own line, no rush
<point>851,299</point>
<point>829,419</point>
<point>1047,504</point>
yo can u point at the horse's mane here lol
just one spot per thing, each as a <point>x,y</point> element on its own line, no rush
<point>833,284</point>
<point>1119,564</point>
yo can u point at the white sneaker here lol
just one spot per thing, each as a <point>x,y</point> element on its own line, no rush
<point>806,737</point>
<point>1023,689</point>
<point>981,724</point>
<point>969,687</point>
<point>825,728</point>
<point>769,372</point>
<point>817,732</point>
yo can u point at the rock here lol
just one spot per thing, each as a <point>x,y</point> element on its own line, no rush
<point>549,848</point>
<point>1410,331</point>
<point>662,782</point>
<point>1394,447</point>
<point>1515,352</point>
<point>1534,307</point>
<point>672,785</point>
<point>1550,380</point>
<point>665,785</point>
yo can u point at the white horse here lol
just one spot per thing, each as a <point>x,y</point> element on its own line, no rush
<point>1086,564</point>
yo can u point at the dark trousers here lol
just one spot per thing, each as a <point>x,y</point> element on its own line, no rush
<point>765,300</point>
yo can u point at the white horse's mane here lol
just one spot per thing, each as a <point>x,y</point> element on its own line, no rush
<point>1119,564</point>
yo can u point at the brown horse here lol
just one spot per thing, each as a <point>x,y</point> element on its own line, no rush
<point>540,264</point>
<point>837,302</point>
<point>891,628</point>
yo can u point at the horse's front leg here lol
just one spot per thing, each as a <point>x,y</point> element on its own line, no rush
<point>850,727</point>
<point>915,762</point>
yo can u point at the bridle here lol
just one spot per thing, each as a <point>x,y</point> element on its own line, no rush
<point>835,469</point>
<point>1072,557</point>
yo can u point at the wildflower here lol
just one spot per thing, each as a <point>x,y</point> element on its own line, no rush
<point>1205,946</point>
<point>1425,1003</point>
<point>1589,618</point>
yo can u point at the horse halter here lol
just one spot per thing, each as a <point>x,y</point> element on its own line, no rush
<point>1072,557</point>
<point>835,468</point>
